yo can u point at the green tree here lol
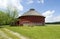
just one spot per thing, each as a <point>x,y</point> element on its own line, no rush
<point>3,16</point>
<point>8,16</point>
<point>12,13</point>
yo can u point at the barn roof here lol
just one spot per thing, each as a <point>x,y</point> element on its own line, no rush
<point>32,12</point>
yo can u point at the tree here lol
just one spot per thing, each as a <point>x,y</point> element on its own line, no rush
<point>12,14</point>
<point>3,17</point>
<point>8,16</point>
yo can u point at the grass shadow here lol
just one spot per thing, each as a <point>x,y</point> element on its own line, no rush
<point>1,27</point>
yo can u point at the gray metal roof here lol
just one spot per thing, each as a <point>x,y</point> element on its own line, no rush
<point>32,12</point>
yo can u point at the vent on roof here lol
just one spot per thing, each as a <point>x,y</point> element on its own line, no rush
<point>32,9</point>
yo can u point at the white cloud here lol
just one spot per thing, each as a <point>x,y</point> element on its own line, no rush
<point>56,18</point>
<point>53,19</point>
<point>11,3</point>
<point>49,15</point>
<point>30,1</point>
<point>3,3</point>
<point>40,1</point>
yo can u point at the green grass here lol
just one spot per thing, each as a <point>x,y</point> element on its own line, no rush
<point>9,34</point>
<point>39,32</point>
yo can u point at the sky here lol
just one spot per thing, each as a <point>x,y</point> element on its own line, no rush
<point>48,8</point>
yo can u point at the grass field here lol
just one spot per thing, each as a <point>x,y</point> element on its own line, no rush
<point>39,32</point>
<point>4,34</point>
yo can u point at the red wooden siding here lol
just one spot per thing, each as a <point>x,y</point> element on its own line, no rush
<point>32,19</point>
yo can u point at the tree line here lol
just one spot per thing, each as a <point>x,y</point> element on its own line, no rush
<point>53,22</point>
<point>8,16</point>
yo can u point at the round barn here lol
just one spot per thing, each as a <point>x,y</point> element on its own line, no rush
<point>32,17</point>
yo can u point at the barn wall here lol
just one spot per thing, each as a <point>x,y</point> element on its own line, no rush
<point>32,20</point>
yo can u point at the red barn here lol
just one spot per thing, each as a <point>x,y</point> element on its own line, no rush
<point>31,17</point>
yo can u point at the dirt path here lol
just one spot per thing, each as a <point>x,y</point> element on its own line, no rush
<point>3,35</point>
<point>16,34</point>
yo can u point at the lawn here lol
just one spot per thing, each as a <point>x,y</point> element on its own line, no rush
<point>39,32</point>
<point>4,34</point>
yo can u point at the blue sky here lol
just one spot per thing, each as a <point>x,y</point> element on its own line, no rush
<point>49,8</point>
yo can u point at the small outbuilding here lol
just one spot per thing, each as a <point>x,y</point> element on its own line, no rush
<point>31,18</point>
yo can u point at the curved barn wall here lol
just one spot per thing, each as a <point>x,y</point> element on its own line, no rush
<point>32,20</point>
